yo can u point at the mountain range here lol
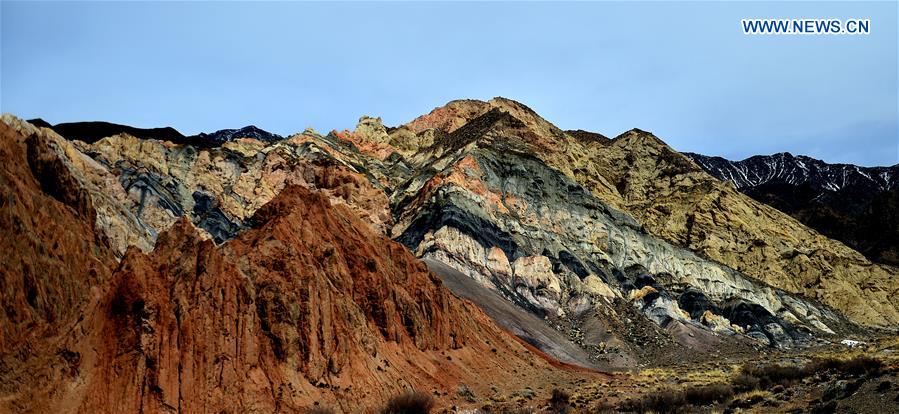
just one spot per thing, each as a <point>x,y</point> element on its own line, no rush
<point>475,250</point>
<point>852,204</point>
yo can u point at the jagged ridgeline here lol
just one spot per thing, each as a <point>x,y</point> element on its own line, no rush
<point>599,252</point>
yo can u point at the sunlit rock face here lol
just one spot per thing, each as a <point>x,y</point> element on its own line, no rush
<point>220,187</point>
<point>307,304</point>
<point>623,245</point>
<point>674,199</point>
<point>529,232</point>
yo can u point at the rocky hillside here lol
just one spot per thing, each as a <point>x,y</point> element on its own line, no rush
<point>305,305</point>
<point>852,204</point>
<point>51,253</point>
<point>673,199</point>
<point>602,253</point>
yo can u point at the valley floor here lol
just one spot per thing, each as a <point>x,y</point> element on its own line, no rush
<point>826,379</point>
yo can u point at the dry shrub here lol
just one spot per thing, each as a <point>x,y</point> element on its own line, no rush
<point>770,375</point>
<point>708,394</point>
<point>767,376</point>
<point>859,365</point>
<point>745,382</point>
<point>559,402</point>
<point>409,403</point>
<point>676,401</point>
<point>662,402</point>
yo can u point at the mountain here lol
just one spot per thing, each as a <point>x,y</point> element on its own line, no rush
<point>672,199</point>
<point>852,204</point>
<point>51,253</point>
<point>488,185</point>
<point>307,305</point>
<point>225,135</point>
<point>784,168</point>
<point>304,263</point>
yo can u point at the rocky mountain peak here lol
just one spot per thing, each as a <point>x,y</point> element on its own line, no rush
<point>226,135</point>
<point>370,137</point>
<point>449,117</point>
<point>784,167</point>
<point>638,144</point>
<point>371,129</point>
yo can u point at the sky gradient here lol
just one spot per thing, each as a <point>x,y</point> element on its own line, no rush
<point>684,71</point>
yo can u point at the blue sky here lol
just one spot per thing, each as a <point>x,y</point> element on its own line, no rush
<point>682,70</point>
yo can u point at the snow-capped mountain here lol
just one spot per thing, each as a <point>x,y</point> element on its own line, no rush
<point>785,168</point>
<point>224,135</point>
<point>855,205</point>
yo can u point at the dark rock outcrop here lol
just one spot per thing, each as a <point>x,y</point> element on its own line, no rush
<point>94,131</point>
<point>225,135</point>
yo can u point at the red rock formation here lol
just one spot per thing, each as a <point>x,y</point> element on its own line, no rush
<point>49,252</point>
<point>309,305</point>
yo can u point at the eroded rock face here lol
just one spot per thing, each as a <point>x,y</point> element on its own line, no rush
<point>307,305</point>
<point>51,254</point>
<point>544,242</point>
<point>221,187</point>
<point>237,296</point>
<point>674,199</point>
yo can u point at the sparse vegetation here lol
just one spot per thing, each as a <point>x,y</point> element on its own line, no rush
<point>664,401</point>
<point>409,403</point>
<point>709,389</point>
<point>675,401</point>
<point>767,376</point>
<point>704,395</point>
<point>745,382</point>
<point>859,365</point>
<point>770,375</point>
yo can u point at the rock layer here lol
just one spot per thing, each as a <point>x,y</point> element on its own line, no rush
<point>219,188</point>
<point>527,231</point>
<point>306,305</point>
<point>260,276</point>
<point>674,199</point>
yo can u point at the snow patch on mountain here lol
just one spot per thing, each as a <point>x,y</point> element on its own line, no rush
<point>785,168</point>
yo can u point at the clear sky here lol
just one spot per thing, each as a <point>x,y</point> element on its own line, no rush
<point>684,71</point>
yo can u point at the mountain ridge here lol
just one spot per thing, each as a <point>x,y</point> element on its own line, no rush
<point>784,167</point>
<point>297,268</point>
<point>853,204</point>
<point>93,131</point>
